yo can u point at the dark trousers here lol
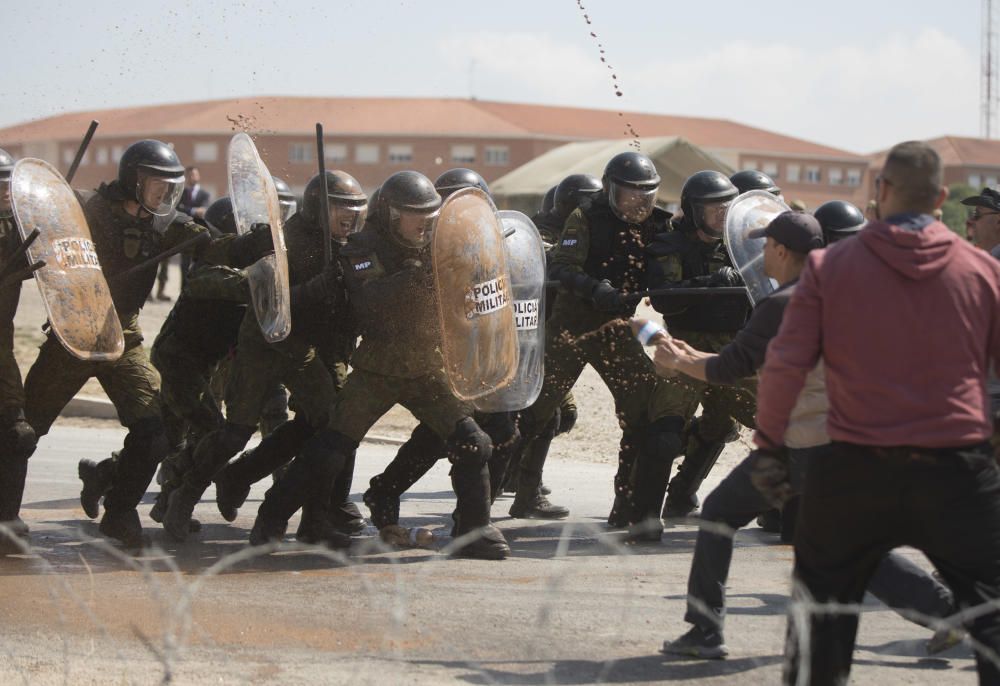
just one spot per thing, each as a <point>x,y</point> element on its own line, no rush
<point>735,502</point>
<point>860,502</point>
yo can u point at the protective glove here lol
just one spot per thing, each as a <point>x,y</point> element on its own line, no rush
<point>769,475</point>
<point>253,245</point>
<point>608,299</point>
<point>726,276</point>
<point>567,419</point>
<point>324,285</point>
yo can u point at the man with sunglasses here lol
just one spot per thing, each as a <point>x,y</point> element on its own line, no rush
<point>983,224</point>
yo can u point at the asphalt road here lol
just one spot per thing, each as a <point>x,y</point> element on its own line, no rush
<point>573,605</point>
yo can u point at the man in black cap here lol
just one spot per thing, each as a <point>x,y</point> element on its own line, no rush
<point>736,501</point>
<point>983,224</point>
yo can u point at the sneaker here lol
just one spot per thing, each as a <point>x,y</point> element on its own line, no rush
<point>944,639</point>
<point>697,643</point>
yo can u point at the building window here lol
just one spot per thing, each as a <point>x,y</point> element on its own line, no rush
<point>854,177</point>
<point>991,181</point>
<point>366,153</point>
<point>300,153</point>
<point>463,154</point>
<point>116,153</point>
<point>813,175</point>
<point>400,154</point>
<point>206,152</point>
<point>497,155</point>
<point>835,176</point>
<point>67,156</point>
<point>750,165</point>
<point>771,169</point>
<point>335,152</point>
<point>792,171</point>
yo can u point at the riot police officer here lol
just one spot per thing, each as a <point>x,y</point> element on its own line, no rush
<point>389,276</point>
<point>753,180</point>
<point>131,220</point>
<point>839,219</point>
<point>17,438</point>
<point>286,199</point>
<point>691,255</point>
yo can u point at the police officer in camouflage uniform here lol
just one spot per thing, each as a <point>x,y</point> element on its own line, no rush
<point>390,282</point>
<point>316,294</point>
<point>693,255</point>
<point>17,438</point>
<point>599,260</point>
<point>131,220</point>
<point>348,209</point>
<point>425,447</point>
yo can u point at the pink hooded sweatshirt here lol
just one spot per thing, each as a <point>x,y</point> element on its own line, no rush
<point>907,322</point>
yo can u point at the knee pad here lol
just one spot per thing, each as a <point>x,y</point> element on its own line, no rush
<point>468,444</point>
<point>729,433</point>
<point>663,437</point>
<point>502,429</point>
<point>18,435</point>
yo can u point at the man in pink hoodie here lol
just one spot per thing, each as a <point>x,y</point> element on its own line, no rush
<point>906,318</point>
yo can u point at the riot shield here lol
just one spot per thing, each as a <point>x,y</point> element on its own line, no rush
<point>752,210</point>
<point>255,200</point>
<point>76,295</point>
<point>526,263</point>
<point>479,342</point>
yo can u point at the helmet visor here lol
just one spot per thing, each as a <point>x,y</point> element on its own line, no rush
<point>631,204</point>
<point>345,220</point>
<point>413,228</point>
<point>288,207</point>
<point>711,217</point>
<point>159,195</point>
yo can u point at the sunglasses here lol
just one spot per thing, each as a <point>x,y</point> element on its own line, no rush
<point>979,214</point>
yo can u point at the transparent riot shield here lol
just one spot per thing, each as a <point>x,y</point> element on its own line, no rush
<point>472,283</point>
<point>752,210</point>
<point>255,201</point>
<point>76,294</point>
<point>526,264</point>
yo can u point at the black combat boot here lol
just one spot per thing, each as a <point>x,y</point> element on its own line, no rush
<point>472,489</point>
<point>700,456</point>
<point>622,509</point>
<point>529,503</point>
<point>661,445</point>
<point>97,478</point>
<point>125,527</point>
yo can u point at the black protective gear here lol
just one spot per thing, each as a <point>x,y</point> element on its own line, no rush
<point>251,246</point>
<point>529,503</point>
<point>145,447</point>
<point>548,200</point>
<point>506,439</point>
<point>277,449</point>
<point>220,216</point>
<point>629,448</point>
<point>567,416</point>
<point>631,169</point>
<point>344,515</point>
<point>16,435</point>
<point>286,199</point>
<point>753,180</point>
<point>458,178</point>
<point>469,449</point>
<point>18,443</point>
<point>661,444</point>
<point>342,189</point>
<point>172,471</point>
<point>571,190</point>
<point>405,191</point>
<point>148,157</point>
<point>700,456</point>
<point>609,299</point>
<point>6,164</point>
<point>413,459</point>
<point>468,444</point>
<point>264,531</point>
<point>125,527</point>
<point>725,276</point>
<point>308,481</point>
<point>839,219</point>
<point>703,188</point>
<point>325,285</point>
<point>97,478</point>
<point>314,529</point>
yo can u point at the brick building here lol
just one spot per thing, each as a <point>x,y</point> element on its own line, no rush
<point>373,137</point>
<point>972,161</point>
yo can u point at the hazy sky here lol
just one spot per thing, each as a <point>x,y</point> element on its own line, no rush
<point>855,74</point>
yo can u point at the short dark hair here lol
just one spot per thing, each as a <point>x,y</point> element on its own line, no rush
<point>914,168</point>
<point>191,168</point>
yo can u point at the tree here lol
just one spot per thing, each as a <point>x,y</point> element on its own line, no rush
<point>953,212</point>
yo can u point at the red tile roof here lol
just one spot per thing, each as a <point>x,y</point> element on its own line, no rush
<point>409,117</point>
<point>958,151</point>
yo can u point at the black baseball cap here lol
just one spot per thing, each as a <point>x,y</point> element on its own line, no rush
<point>987,198</point>
<point>797,231</point>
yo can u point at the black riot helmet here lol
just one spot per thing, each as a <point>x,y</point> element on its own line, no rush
<point>150,172</point>
<point>289,205</point>
<point>458,178</point>
<point>219,215</point>
<point>705,199</point>
<point>408,206</point>
<point>753,180</point>
<point>548,200</point>
<point>348,203</point>
<point>839,219</point>
<point>571,190</point>
<point>6,167</point>
<point>631,182</point>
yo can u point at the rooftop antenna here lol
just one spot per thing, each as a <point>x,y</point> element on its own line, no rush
<point>988,86</point>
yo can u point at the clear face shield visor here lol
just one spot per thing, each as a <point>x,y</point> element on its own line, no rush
<point>413,228</point>
<point>288,207</point>
<point>159,195</point>
<point>630,204</point>
<point>346,219</point>
<point>5,207</point>
<point>711,217</point>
